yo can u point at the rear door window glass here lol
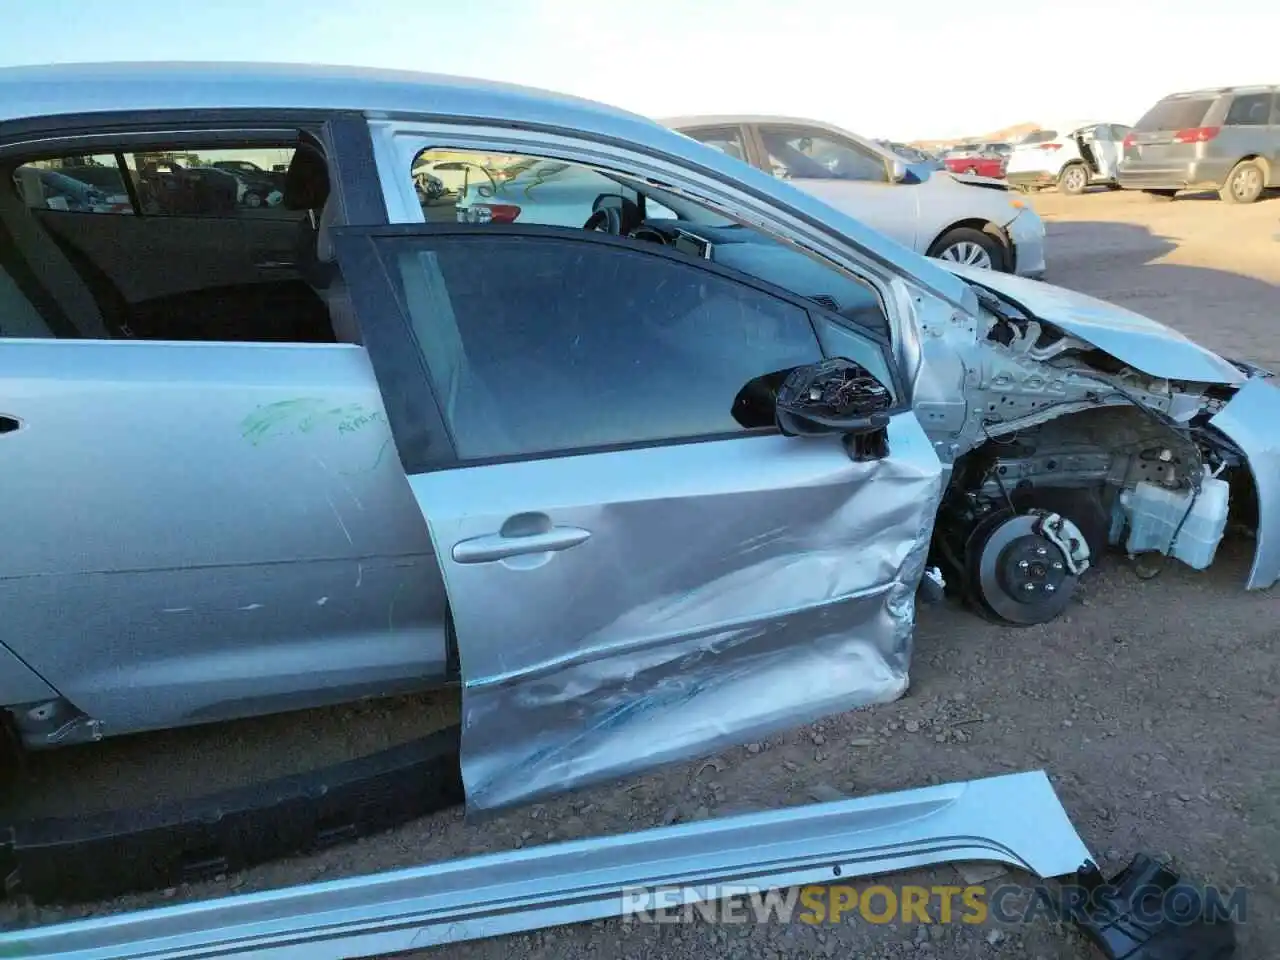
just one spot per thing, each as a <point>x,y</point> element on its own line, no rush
<point>238,182</point>
<point>1250,110</point>
<point>80,184</point>
<point>242,182</point>
<point>1175,114</point>
<point>1038,136</point>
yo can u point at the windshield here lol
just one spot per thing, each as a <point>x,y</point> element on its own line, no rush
<point>1175,114</point>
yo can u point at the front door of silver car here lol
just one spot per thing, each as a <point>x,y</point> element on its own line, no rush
<point>640,566</point>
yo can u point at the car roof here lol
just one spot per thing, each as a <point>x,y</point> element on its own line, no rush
<point>37,92</point>
<point>1066,126</point>
<point>69,89</point>
<point>1220,91</point>
<point>730,119</point>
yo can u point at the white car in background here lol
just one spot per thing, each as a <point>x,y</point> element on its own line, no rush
<point>1072,156</point>
<point>971,220</point>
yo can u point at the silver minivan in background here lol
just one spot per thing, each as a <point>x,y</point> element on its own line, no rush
<point>1225,139</point>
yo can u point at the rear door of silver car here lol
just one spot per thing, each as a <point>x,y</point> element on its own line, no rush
<point>200,525</point>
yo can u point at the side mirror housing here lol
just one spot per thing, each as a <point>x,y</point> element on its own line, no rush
<point>898,170</point>
<point>835,396</point>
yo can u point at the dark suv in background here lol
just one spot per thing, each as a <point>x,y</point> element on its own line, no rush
<point>1226,139</point>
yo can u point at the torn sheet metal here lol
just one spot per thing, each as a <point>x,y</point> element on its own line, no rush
<point>1014,819</point>
<point>619,610</point>
<point>1249,420</point>
<point>1133,339</point>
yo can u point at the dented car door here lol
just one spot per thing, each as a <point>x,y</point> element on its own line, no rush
<point>640,567</point>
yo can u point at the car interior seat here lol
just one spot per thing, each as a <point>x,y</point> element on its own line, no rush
<point>27,251</point>
<point>307,187</point>
<point>470,409</point>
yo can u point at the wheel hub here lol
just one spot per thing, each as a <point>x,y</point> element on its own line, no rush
<point>968,253</point>
<point>1247,182</point>
<point>1018,567</point>
<point>1031,569</point>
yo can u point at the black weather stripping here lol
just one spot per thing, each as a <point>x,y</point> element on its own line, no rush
<point>110,854</point>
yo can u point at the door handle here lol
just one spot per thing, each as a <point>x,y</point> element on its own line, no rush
<point>495,546</point>
<point>275,264</point>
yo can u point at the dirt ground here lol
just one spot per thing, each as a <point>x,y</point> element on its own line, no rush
<point>1152,704</point>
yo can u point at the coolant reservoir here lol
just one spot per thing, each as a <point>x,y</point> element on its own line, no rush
<point>1154,513</point>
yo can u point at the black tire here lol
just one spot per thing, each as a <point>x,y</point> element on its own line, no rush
<point>1245,183</point>
<point>1074,179</point>
<point>960,236</point>
<point>1161,194</point>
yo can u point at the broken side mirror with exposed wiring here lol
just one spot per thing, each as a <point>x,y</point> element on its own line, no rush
<point>836,396</point>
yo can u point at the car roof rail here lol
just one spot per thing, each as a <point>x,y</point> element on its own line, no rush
<point>1205,91</point>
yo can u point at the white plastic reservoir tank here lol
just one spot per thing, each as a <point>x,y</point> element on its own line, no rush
<point>1154,513</point>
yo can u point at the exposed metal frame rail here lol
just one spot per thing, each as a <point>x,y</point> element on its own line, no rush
<point>1014,819</point>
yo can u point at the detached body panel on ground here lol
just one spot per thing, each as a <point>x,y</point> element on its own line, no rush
<point>1015,820</point>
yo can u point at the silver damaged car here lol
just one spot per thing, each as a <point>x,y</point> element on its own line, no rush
<point>647,485</point>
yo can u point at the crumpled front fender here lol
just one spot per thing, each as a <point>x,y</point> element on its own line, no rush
<point>1249,421</point>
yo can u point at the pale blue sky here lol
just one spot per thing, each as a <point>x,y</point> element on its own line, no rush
<point>928,68</point>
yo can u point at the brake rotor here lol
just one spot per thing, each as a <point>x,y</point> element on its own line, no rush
<point>1020,575</point>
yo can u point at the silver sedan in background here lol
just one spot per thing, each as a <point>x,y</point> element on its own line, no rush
<point>975,221</point>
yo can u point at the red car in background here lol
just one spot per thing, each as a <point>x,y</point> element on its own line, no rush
<point>983,159</point>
